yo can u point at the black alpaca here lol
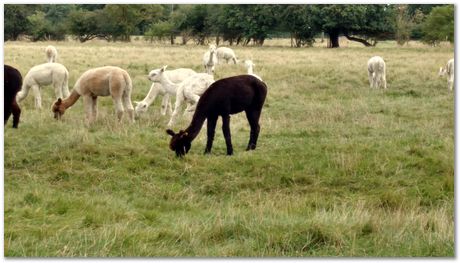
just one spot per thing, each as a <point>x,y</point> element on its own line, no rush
<point>12,85</point>
<point>224,97</point>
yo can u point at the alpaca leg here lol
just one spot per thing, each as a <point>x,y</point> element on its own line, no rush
<point>179,101</point>
<point>65,90</point>
<point>384,81</point>
<point>128,105</point>
<point>94,107</point>
<point>88,106</point>
<point>194,101</point>
<point>165,102</point>
<point>211,129</point>
<point>371,78</point>
<point>118,108</point>
<point>58,90</point>
<point>38,97</point>
<point>7,112</point>
<point>226,132</point>
<point>253,119</point>
<point>16,113</point>
<point>450,83</point>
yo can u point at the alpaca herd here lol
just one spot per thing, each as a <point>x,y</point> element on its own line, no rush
<point>205,97</point>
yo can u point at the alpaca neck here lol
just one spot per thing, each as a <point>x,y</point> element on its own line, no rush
<point>69,101</point>
<point>250,70</point>
<point>168,84</point>
<point>195,126</point>
<point>211,54</point>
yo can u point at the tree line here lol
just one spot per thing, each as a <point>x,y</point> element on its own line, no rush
<point>240,24</point>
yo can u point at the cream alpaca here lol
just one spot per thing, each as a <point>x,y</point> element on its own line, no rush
<point>103,81</point>
<point>51,54</point>
<point>376,72</point>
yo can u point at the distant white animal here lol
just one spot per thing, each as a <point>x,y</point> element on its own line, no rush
<point>42,75</point>
<point>250,66</point>
<point>188,91</point>
<point>51,54</point>
<point>450,71</point>
<point>210,59</point>
<point>227,54</point>
<point>376,72</point>
<point>176,76</point>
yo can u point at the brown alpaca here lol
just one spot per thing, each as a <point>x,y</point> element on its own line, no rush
<point>103,81</point>
<point>12,85</point>
<point>224,97</point>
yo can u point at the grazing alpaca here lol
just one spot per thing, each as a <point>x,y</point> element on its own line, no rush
<point>210,59</point>
<point>376,72</point>
<point>13,83</point>
<point>176,76</point>
<point>450,71</point>
<point>103,81</point>
<point>224,97</point>
<point>188,91</point>
<point>250,66</point>
<point>227,54</point>
<point>51,54</point>
<point>42,75</point>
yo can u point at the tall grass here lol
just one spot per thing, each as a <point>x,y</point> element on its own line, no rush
<point>340,169</point>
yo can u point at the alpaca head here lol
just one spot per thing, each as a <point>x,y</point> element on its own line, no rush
<point>180,142</point>
<point>156,74</point>
<point>58,109</point>
<point>442,71</point>
<point>248,63</point>
<point>141,107</point>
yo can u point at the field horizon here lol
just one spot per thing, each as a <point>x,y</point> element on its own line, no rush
<point>340,169</point>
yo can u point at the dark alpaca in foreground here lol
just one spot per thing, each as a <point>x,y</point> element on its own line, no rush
<point>12,85</point>
<point>224,97</point>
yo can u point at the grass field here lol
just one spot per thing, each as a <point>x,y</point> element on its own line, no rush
<point>340,169</point>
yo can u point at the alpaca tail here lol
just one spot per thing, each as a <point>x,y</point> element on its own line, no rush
<point>65,85</point>
<point>22,94</point>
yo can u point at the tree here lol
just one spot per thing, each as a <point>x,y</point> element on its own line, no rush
<point>39,27</point>
<point>361,23</point>
<point>87,25</point>
<point>159,30</point>
<point>403,25</point>
<point>297,19</point>
<point>15,20</point>
<point>439,25</point>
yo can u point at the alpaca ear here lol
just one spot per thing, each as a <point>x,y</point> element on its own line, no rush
<point>170,132</point>
<point>59,101</point>
<point>164,68</point>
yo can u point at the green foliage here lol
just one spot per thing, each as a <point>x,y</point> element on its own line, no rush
<point>15,20</point>
<point>87,25</point>
<point>39,26</point>
<point>297,19</point>
<point>160,30</point>
<point>439,25</point>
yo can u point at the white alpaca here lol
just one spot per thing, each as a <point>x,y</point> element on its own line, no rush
<point>227,54</point>
<point>450,71</point>
<point>51,54</point>
<point>176,76</point>
<point>250,66</point>
<point>210,59</point>
<point>188,91</point>
<point>42,75</point>
<point>376,72</point>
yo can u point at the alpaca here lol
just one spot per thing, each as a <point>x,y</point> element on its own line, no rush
<point>224,97</point>
<point>250,66</point>
<point>103,81</point>
<point>376,72</point>
<point>51,54</point>
<point>210,59</point>
<point>227,54</point>
<point>176,76</point>
<point>12,85</point>
<point>188,91</point>
<point>42,75</point>
<point>450,71</point>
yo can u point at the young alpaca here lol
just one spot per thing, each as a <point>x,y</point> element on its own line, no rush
<point>250,66</point>
<point>13,82</point>
<point>42,75</point>
<point>226,53</point>
<point>376,72</point>
<point>224,97</point>
<point>103,81</point>
<point>176,76</point>
<point>188,91</point>
<point>210,59</point>
<point>450,71</point>
<point>51,54</point>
